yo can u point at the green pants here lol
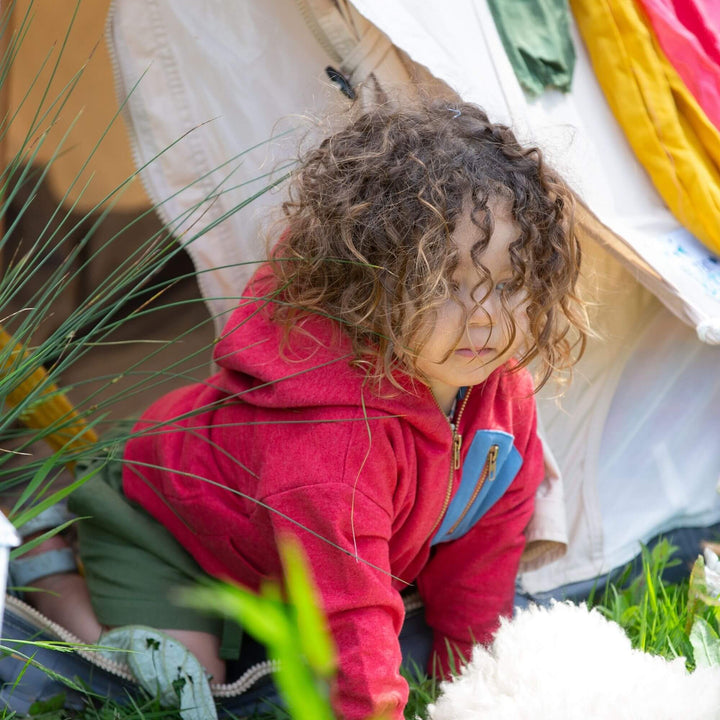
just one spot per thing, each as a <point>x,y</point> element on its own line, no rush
<point>133,565</point>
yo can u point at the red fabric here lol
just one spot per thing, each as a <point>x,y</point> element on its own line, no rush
<point>689,35</point>
<point>297,442</point>
<point>701,17</point>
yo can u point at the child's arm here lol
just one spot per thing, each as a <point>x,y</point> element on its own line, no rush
<point>325,487</point>
<point>364,611</point>
<point>343,494</point>
<point>470,582</point>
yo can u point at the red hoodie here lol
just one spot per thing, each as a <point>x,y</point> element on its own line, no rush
<point>295,440</point>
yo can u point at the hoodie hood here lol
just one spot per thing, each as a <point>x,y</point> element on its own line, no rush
<point>308,367</point>
<point>272,434</point>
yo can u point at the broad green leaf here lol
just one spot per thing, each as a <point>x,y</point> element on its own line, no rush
<point>698,597</point>
<point>265,620</point>
<point>705,643</point>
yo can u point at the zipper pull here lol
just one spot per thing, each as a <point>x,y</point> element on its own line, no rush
<point>492,462</point>
<point>456,445</point>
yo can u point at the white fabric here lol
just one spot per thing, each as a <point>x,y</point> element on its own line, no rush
<point>709,332</point>
<point>660,439</point>
<point>8,534</point>
<point>205,82</point>
<point>636,433</point>
<point>546,535</point>
<point>9,538</point>
<point>573,422</point>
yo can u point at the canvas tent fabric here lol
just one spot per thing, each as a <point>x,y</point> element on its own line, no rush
<point>210,89</point>
<point>222,111</point>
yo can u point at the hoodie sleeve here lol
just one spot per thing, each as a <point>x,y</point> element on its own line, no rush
<point>345,534</point>
<point>469,583</point>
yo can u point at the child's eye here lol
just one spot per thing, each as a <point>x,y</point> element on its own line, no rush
<point>500,286</point>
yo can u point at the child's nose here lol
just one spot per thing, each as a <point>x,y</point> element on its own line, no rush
<point>486,311</point>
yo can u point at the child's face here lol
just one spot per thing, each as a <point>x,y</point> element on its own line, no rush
<point>483,344</point>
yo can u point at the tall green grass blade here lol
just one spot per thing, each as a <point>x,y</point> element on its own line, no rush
<point>21,518</point>
<point>312,628</point>
<point>287,630</point>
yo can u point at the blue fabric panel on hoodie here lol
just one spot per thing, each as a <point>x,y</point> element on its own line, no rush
<point>509,462</point>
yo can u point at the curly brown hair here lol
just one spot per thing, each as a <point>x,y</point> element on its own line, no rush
<point>370,219</point>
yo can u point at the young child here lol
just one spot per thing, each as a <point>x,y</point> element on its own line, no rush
<point>372,397</point>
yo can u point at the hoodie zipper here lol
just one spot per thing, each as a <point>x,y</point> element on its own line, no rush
<point>488,474</point>
<point>252,675</point>
<point>455,458</point>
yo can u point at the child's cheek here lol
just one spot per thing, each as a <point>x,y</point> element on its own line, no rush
<point>522,325</point>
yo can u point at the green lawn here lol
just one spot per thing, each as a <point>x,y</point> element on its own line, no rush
<point>658,618</point>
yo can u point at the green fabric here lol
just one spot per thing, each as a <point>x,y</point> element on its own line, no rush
<point>164,667</point>
<point>133,564</point>
<point>536,37</point>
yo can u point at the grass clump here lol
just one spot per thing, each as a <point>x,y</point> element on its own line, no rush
<point>670,620</point>
<point>661,618</point>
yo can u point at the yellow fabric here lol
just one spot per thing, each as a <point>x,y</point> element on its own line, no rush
<point>51,409</point>
<point>668,131</point>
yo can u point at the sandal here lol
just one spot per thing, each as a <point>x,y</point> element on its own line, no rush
<point>24,571</point>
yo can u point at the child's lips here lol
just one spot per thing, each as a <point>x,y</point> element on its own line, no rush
<point>471,353</point>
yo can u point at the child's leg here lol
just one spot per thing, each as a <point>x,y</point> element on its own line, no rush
<point>57,590</point>
<point>64,598</point>
<point>206,648</point>
<point>133,564</point>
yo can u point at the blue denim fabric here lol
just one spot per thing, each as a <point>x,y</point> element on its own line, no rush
<point>687,540</point>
